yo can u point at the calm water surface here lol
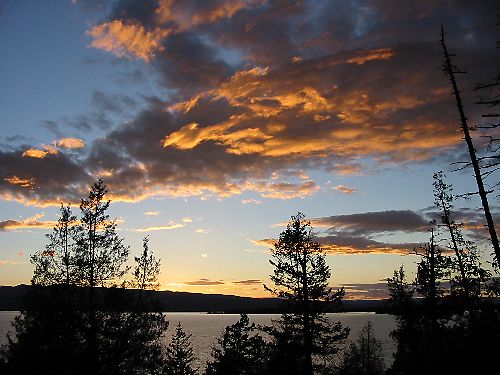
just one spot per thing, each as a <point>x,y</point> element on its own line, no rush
<point>206,328</point>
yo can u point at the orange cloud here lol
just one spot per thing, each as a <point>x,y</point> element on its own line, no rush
<point>71,143</point>
<point>34,153</point>
<point>348,250</point>
<point>283,116</point>
<point>348,169</point>
<point>185,17</point>
<point>23,182</point>
<point>344,189</point>
<point>127,39</point>
<point>287,190</point>
<point>371,55</point>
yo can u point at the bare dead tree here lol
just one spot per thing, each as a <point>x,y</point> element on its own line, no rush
<point>489,97</point>
<point>451,70</point>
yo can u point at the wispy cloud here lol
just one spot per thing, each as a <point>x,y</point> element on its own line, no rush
<point>203,282</point>
<point>169,226</point>
<point>203,230</point>
<point>344,189</point>
<point>5,262</point>
<point>248,282</point>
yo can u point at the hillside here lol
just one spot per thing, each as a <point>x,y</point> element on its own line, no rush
<point>11,298</point>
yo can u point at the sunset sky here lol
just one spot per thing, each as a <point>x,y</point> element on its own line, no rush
<point>213,121</point>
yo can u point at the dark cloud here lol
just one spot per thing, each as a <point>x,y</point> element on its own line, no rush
<point>26,224</point>
<point>16,138</point>
<point>248,282</point>
<point>51,180</point>
<point>470,220</point>
<point>116,103</point>
<point>204,282</point>
<point>142,12</point>
<point>189,65</point>
<point>52,127</point>
<point>375,222</point>
<point>346,244</point>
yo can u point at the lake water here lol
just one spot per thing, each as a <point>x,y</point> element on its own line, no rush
<point>207,328</point>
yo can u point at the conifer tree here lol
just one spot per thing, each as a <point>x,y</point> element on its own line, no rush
<point>363,356</point>
<point>76,320</point>
<point>301,276</point>
<point>468,276</point>
<point>179,357</point>
<point>239,351</point>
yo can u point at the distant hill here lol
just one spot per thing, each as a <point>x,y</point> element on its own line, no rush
<point>11,299</point>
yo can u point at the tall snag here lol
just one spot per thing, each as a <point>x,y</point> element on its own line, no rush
<point>450,70</point>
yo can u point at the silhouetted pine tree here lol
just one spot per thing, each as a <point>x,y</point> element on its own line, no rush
<point>303,338</point>
<point>240,351</point>
<point>364,356</point>
<point>179,357</point>
<point>451,325</point>
<point>468,276</point>
<point>76,320</point>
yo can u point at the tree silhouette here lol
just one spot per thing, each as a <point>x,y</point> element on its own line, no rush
<point>76,319</point>
<point>450,325</point>
<point>432,270</point>
<point>489,97</point>
<point>56,264</point>
<point>179,357</point>
<point>364,356</point>
<point>301,277</point>
<point>239,351</point>
<point>451,70</point>
<point>467,282</point>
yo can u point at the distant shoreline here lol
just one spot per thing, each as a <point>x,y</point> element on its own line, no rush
<point>11,299</point>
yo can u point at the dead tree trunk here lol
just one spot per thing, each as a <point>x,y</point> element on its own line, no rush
<point>448,68</point>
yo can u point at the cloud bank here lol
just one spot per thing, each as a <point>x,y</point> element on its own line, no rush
<point>259,91</point>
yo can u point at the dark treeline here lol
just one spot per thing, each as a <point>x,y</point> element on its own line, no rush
<point>87,313</point>
<point>80,317</point>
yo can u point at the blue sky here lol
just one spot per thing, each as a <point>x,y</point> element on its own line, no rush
<point>213,122</point>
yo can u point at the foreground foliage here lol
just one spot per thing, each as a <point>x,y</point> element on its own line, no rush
<point>305,341</point>
<point>76,320</point>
